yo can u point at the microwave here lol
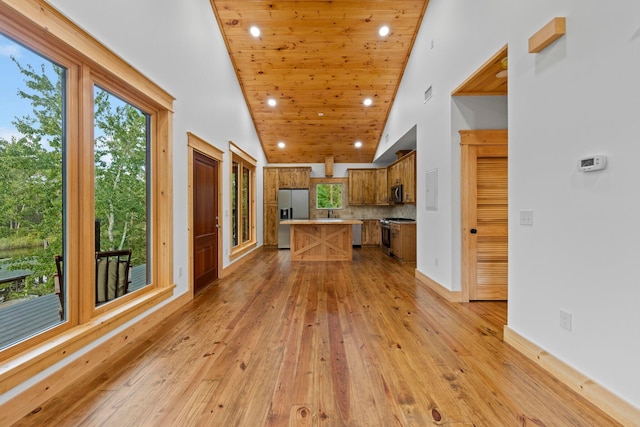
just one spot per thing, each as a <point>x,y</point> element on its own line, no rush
<point>396,193</point>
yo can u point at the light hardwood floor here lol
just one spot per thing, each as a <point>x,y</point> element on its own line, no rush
<point>282,343</point>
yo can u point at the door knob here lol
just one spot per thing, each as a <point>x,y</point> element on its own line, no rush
<point>473,231</point>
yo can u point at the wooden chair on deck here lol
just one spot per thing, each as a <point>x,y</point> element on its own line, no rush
<point>113,272</point>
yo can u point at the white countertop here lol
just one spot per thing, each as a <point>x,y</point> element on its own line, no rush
<point>320,221</point>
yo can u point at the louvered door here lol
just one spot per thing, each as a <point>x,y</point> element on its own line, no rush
<point>484,215</point>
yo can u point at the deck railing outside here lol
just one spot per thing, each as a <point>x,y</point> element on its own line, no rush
<point>21,319</point>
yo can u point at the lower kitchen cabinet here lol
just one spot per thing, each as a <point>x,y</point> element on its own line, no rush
<point>270,227</point>
<point>403,241</point>
<point>371,232</point>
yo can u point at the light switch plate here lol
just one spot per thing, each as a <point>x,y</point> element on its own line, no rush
<point>526,217</point>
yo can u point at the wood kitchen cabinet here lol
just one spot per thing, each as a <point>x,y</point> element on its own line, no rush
<point>362,186</point>
<point>371,234</point>
<point>270,185</point>
<point>368,187</point>
<point>408,174</point>
<point>403,241</point>
<point>294,177</point>
<point>381,187</point>
<point>270,225</point>
<point>403,171</point>
<point>356,187</point>
<point>393,175</point>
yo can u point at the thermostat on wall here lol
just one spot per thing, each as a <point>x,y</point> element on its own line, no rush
<point>592,163</point>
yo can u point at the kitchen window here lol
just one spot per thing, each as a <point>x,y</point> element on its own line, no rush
<point>329,196</point>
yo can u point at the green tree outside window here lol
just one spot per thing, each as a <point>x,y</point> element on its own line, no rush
<point>329,196</point>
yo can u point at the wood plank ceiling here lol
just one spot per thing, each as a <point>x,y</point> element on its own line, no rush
<point>319,60</point>
<point>491,79</point>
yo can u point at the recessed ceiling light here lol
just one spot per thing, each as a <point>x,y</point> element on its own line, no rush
<point>255,31</point>
<point>383,31</point>
<point>320,114</point>
<point>272,102</point>
<point>358,144</point>
<point>367,102</point>
<point>280,144</point>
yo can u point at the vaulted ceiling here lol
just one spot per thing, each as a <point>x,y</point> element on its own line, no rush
<point>319,61</point>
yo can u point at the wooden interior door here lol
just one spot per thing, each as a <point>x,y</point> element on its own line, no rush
<point>484,215</point>
<point>205,220</point>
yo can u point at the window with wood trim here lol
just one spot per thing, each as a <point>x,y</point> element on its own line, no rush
<point>86,144</point>
<point>328,196</point>
<point>32,145</point>
<point>243,203</point>
<point>122,149</point>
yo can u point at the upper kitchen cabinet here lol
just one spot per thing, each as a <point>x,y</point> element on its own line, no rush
<point>368,187</point>
<point>362,189</point>
<point>297,177</point>
<point>403,171</point>
<point>408,173</point>
<point>393,176</point>
<point>382,189</point>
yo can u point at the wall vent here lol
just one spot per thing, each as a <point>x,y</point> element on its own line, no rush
<point>427,94</point>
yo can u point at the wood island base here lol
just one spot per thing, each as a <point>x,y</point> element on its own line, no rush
<point>321,240</point>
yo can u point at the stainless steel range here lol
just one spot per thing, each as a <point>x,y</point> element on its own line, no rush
<point>385,229</point>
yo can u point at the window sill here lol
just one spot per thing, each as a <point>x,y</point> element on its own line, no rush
<point>238,252</point>
<point>25,365</point>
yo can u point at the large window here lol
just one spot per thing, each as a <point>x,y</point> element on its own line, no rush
<point>32,144</point>
<point>85,155</point>
<point>243,206</point>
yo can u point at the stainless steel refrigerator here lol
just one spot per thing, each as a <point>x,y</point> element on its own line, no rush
<point>292,204</point>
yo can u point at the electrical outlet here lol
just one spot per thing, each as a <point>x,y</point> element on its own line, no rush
<point>180,271</point>
<point>436,262</point>
<point>565,320</point>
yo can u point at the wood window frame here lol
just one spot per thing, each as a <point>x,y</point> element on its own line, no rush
<point>39,26</point>
<point>243,159</point>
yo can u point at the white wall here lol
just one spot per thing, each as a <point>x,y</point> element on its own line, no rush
<point>578,97</point>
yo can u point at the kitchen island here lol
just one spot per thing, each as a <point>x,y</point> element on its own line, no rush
<point>321,239</point>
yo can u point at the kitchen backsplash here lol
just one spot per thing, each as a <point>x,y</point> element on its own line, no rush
<point>367,212</point>
<point>359,212</point>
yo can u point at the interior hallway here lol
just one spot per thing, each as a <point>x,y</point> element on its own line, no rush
<point>361,344</point>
